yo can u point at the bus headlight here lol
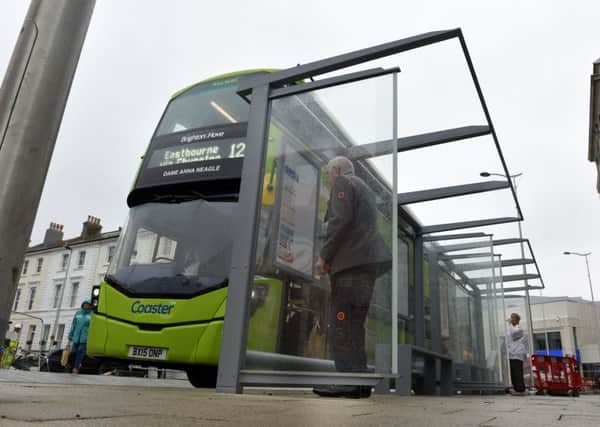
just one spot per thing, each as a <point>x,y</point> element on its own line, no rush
<point>95,296</point>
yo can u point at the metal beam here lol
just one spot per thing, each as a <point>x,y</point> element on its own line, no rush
<point>518,289</point>
<point>474,245</point>
<point>511,241</point>
<point>307,379</point>
<point>466,224</point>
<point>345,60</point>
<point>453,191</point>
<point>491,264</point>
<point>333,81</point>
<point>486,111</point>
<point>463,256</point>
<point>453,237</point>
<point>407,143</point>
<point>537,267</point>
<point>508,278</point>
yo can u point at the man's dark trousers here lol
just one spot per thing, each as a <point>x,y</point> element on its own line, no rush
<point>516,375</point>
<point>350,299</point>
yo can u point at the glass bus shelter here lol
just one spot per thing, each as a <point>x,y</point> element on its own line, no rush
<point>434,316</point>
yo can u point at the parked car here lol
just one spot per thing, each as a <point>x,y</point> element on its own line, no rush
<point>89,365</point>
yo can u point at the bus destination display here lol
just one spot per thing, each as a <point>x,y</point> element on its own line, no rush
<point>194,155</point>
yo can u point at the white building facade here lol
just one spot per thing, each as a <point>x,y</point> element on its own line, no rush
<point>59,269</point>
<point>568,326</point>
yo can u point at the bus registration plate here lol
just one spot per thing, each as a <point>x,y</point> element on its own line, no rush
<point>152,353</point>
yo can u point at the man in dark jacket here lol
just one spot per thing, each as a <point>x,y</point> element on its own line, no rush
<point>353,254</point>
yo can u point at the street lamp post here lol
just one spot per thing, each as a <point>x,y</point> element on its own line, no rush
<point>513,178</point>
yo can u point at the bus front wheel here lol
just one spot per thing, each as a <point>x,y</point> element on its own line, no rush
<point>202,376</point>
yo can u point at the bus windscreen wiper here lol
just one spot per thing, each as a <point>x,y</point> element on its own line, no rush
<point>186,197</point>
<point>174,198</point>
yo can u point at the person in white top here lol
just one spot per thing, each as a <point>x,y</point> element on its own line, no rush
<point>517,352</point>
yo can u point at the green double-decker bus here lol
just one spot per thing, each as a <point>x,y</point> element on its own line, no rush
<point>162,302</point>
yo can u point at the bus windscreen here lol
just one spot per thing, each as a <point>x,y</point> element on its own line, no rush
<point>174,249</point>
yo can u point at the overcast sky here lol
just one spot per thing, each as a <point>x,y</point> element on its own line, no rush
<point>533,59</point>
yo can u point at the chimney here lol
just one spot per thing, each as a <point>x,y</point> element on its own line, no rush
<point>91,228</point>
<point>54,234</point>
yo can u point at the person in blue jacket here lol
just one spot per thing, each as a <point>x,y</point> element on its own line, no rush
<point>79,333</point>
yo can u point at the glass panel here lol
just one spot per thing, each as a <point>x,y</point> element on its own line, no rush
<point>323,299</point>
<point>467,311</point>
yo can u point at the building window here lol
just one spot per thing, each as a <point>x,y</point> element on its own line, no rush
<point>40,263</point>
<point>591,370</point>
<point>30,335</point>
<point>539,341</point>
<point>45,335</point>
<point>74,292</point>
<point>57,289</point>
<point>110,255</point>
<point>81,260</point>
<point>60,334</point>
<point>552,338</point>
<point>17,298</point>
<point>31,297</point>
<point>65,262</point>
<point>25,266</point>
<point>554,341</point>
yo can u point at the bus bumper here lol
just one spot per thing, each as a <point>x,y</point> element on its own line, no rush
<point>112,339</point>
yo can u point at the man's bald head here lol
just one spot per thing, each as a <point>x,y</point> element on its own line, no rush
<point>339,166</point>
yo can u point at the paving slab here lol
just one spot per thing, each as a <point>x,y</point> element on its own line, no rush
<point>115,402</point>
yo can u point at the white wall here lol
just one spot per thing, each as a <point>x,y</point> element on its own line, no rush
<point>87,276</point>
<point>563,316</point>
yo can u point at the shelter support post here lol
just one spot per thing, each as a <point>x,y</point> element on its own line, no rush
<point>233,349</point>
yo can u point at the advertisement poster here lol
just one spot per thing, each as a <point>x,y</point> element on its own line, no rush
<point>297,214</point>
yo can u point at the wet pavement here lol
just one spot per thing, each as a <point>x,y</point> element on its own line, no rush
<point>38,398</point>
